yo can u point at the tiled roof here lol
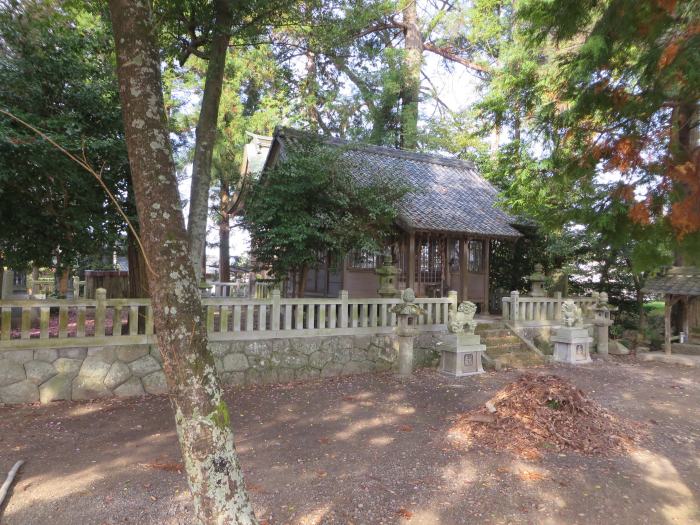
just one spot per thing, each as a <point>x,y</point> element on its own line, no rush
<point>678,280</point>
<point>449,196</point>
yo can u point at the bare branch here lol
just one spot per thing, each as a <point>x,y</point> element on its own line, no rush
<point>448,53</point>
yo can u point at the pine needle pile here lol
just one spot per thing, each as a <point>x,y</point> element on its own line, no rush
<point>545,412</point>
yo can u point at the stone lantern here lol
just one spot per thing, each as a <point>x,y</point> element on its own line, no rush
<point>571,341</point>
<point>387,273</point>
<point>602,320</point>
<point>537,279</point>
<point>461,355</point>
<point>407,315</point>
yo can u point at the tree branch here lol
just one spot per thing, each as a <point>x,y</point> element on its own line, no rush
<point>449,54</point>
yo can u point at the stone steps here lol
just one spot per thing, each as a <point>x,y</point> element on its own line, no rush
<point>489,327</point>
<point>504,349</point>
<point>519,360</point>
<point>494,342</point>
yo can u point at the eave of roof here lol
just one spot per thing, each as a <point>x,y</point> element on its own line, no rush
<point>451,196</point>
<point>677,280</point>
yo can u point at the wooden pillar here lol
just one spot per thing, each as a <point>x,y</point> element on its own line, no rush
<point>444,278</point>
<point>463,269</point>
<point>667,323</point>
<point>686,317</point>
<point>411,261</point>
<point>487,252</point>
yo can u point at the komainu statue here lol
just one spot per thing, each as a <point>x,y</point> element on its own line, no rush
<point>571,314</point>
<point>464,316</point>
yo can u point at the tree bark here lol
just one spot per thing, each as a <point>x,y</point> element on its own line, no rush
<point>138,278</point>
<point>310,94</point>
<point>201,416</point>
<point>301,283</point>
<point>224,231</point>
<point>682,151</point>
<point>411,77</point>
<point>206,134</point>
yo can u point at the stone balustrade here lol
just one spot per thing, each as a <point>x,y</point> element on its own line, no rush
<point>537,310</point>
<point>85,349</point>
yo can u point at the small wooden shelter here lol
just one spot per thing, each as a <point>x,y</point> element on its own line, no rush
<point>680,286</point>
<point>444,230</point>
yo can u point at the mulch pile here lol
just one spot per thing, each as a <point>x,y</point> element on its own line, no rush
<point>546,412</point>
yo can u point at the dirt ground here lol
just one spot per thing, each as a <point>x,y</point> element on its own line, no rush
<point>363,450</point>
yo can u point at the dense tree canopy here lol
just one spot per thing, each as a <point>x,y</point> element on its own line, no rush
<point>311,205</point>
<point>57,73</point>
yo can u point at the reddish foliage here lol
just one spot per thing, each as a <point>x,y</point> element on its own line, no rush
<point>624,154</point>
<point>669,54</point>
<point>667,5</point>
<point>685,214</point>
<point>639,213</point>
<point>624,192</point>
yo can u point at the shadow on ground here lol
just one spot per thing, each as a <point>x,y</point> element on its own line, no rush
<point>362,449</point>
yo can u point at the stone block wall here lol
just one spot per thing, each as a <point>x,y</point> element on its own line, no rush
<point>45,375</point>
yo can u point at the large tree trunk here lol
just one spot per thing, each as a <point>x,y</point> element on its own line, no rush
<point>411,77</point>
<point>206,133</point>
<point>224,231</point>
<point>301,283</point>
<point>682,151</point>
<point>138,278</point>
<point>201,416</point>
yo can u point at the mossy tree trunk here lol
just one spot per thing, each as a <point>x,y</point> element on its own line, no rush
<point>205,134</point>
<point>410,91</point>
<point>224,232</point>
<point>201,416</point>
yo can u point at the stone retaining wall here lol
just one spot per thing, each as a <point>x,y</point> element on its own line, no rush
<point>45,375</point>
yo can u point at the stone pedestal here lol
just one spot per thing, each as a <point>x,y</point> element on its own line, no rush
<point>572,345</point>
<point>406,355</point>
<point>601,329</point>
<point>461,355</point>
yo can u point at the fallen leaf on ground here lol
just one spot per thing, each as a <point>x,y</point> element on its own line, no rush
<point>531,475</point>
<point>546,412</point>
<point>406,428</point>
<point>169,467</point>
<point>407,514</point>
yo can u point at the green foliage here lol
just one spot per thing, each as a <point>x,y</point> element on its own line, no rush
<point>310,204</point>
<point>255,98</point>
<point>57,73</point>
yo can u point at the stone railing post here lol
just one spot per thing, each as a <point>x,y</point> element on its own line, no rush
<point>76,287</point>
<point>8,284</point>
<point>100,311</point>
<point>275,321</point>
<point>343,308</point>
<point>514,306</point>
<point>557,305</point>
<point>452,296</point>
